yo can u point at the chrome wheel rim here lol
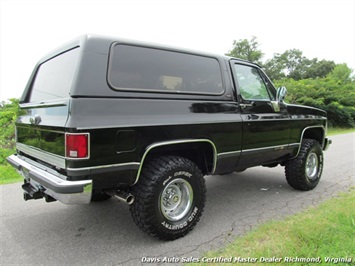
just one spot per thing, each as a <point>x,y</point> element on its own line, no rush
<point>176,199</point>
<point>312,166</point>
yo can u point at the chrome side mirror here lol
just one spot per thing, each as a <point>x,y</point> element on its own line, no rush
<point>281,94</point>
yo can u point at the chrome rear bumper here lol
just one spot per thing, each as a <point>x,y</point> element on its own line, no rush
<point>45,181</point>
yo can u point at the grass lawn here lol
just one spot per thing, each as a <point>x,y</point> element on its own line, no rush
<point>337,131</point>
<point>324,233</point>
<point>9,175</point>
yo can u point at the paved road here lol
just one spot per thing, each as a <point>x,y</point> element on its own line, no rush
<point>36,232</point>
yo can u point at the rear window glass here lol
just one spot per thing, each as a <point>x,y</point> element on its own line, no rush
<point>54,77</point>
<point>148,69</point>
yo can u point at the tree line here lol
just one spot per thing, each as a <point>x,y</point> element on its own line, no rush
<point>318,83</point>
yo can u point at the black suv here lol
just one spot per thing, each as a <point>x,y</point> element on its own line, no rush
<point>106,117</point>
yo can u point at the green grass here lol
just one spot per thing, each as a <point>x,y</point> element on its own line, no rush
<point>326,231</point>
<point>9,175</point>
<point>337,131</point>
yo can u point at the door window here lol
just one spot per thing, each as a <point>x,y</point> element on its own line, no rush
<point>250,83</point>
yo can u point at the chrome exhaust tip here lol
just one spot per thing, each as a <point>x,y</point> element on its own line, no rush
<point>121,195</point>
<point>124,197</point>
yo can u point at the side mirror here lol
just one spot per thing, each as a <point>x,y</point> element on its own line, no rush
<point>281,94</point>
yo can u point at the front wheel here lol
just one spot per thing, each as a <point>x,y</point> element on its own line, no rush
<point>305,171</point>
<point>169,197</point>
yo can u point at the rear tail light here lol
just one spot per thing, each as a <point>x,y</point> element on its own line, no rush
<point>77,145</point>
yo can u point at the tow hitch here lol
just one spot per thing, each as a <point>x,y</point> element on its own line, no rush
<point>32,193</point>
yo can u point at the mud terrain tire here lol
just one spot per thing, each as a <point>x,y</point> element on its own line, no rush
<point>169,197</point>
<point>304,171</point>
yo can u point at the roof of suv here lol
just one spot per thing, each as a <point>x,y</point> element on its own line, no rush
<point>93,43</point>
<point>91,78</point>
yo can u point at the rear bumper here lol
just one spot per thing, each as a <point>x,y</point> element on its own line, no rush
<point>44,181</point>
<point>327,143</point>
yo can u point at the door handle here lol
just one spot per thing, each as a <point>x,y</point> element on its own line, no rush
<point>253,117</point>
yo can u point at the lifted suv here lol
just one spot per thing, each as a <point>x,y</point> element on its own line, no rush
<point>107,117</point>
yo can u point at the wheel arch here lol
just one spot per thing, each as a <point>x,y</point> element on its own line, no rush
<point>202,152</point>
<point>312,132</point>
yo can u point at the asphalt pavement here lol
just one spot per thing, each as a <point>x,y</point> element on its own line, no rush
<point>40,233</point>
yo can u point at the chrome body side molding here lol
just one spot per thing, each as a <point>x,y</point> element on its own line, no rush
<point>53,159</point>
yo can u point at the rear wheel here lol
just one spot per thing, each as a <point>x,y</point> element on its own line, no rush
<point>304,172</point>
<point>169,197</point>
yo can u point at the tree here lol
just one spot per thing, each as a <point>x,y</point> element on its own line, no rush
<point>342,74</point>
<point>295,63</point>
<point>247,49</point>
<point>292,64</point>
<point>336,98</point>
<point>289,64</point>
<point>9,112</point>
<point>319,69</point>
<point>275,68</point>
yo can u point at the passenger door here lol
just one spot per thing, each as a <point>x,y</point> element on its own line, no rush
<point>266,124</point>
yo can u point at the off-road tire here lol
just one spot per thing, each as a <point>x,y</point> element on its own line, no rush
<point>304,171</point>
<point>170,197</point>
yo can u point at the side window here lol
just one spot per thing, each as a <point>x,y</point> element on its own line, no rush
<point>251,84</point>
<point>146,69</point>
